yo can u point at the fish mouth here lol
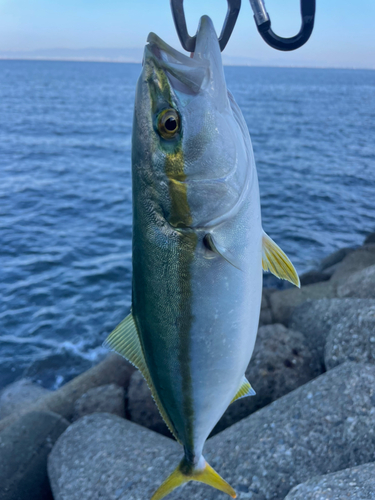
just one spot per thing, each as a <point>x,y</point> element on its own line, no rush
<point>189,74</point>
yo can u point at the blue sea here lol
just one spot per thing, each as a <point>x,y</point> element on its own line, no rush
<point>65,193</point>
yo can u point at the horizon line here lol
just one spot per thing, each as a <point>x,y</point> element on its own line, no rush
<point>117,61</point>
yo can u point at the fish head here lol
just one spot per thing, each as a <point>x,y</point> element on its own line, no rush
<point>190,133</point>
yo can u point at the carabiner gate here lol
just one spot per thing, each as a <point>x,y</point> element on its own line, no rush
<point>187,41</point>
<point>263,23</point>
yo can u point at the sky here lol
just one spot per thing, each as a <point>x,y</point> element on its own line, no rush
<point>344,33</point>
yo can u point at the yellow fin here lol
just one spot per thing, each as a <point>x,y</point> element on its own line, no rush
<point>125,341</point>
<point>185,473</point>
<point>275,261</point>
<point>244,390</point>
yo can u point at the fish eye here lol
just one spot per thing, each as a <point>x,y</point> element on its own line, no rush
<point>168,123</point>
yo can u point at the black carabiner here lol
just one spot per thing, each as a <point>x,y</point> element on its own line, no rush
<point>263,22</point>
<point>187,41</point>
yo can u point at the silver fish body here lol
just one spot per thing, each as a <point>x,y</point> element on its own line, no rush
<point>198,245</point>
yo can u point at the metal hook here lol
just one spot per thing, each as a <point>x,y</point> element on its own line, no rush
<point>187,41</point>
<point>263,22</point>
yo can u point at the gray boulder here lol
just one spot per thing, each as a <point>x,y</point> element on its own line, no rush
<point>370,238</point>
<point>18,395</point>
<point>316,319</point>
<point>102,456</point>
<point>265,317</point>
<point>313,276</point>
<point>284,302</point>
<point>352,338</point>
<point>335,258</point>
<point>360,284</point>
<point>265,312</point>
<point>24,447</point>
<point>141,406</point>
<point>357,483</point>
<point>108,398</point>
<point>323,426</point>
<point>281,362</point>
<point>112,370</point>
<point>355,261</point>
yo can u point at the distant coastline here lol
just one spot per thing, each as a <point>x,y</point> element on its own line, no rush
<point>134,56</point>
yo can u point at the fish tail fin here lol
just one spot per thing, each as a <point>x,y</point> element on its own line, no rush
<point>185,472</point>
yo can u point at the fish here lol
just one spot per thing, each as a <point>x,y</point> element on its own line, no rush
<point>199,249</point>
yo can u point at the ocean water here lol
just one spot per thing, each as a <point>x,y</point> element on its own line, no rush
<point>65,193</point>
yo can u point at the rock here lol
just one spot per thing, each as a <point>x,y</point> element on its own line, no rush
<point>330,271</point>
<point>360,284</point>
<point>265,312</point>
<point>113,459</point>
<point>355,261</point>
<point>357,483</point>
<point>141,406</point>
<point>265,317</point>
<point>271,282</point>
<point>313,276</point>
<point>113,369</point>
<point>266,293</point>
<point>281,362</point>
<point>352,338</point>
<point>18,395</point>
<point>323,426</point>
<point>335,257</point>
<point>315,320</point>
<point>24,447</point>
<point>108,398</point>
<point>370,238</point>
<point>285,301</point>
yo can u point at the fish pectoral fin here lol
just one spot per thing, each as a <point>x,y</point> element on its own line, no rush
<point>185,473</point>
<point>125,341</point>
<point>275,261</point>
<point>212,245</point>
<point>244,390</point>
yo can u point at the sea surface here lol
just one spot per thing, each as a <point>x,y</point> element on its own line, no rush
<point>65,193</point>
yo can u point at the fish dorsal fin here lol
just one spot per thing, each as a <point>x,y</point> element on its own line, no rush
<point>244,390</point>
<point>212,245</point>
<point>275,261</point>
<point>125,341</point>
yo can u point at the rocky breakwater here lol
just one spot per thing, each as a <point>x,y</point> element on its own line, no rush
<point>309,429</point>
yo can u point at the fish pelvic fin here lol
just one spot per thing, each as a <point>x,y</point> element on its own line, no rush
<point>244,390</point>
<point>125,341</point>
<point>186,472</point>
<point>275,261</point>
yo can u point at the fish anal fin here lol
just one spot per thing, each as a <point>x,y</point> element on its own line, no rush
<point>185,473</point>
<point>125,341</point>
<point>275,261</point>
<point>244,390</point>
